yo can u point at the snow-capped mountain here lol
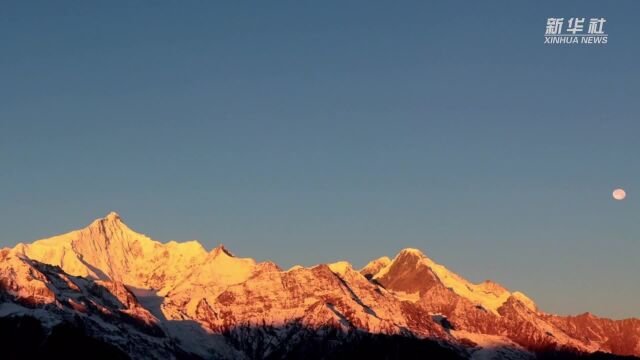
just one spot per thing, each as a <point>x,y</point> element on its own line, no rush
<point>131,296</point>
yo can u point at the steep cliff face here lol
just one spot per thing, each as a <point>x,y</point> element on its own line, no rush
<point>46,297</point>
<point>173,300</point>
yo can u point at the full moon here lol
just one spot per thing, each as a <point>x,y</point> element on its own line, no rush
<point>619,194</point>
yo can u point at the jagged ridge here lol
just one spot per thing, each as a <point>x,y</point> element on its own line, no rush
<point>197,302</point>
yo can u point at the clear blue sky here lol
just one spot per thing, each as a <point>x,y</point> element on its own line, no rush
<point>315,131</point>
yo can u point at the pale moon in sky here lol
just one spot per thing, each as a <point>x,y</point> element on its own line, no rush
<point>619,194</point>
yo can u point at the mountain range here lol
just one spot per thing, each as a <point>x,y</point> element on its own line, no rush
<point>106,291</point>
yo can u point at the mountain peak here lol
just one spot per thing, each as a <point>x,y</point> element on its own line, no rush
<point>408,272</point>
<point>108,229</point>
<point>112,219</point>
<point>412,252</point>
<point>492,287</point>
<point>374,266</point>
<point>221,249</point>
<point>340,267</point>
<point>112,216</point>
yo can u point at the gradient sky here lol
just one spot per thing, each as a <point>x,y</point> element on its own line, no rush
<point>315,131</point>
